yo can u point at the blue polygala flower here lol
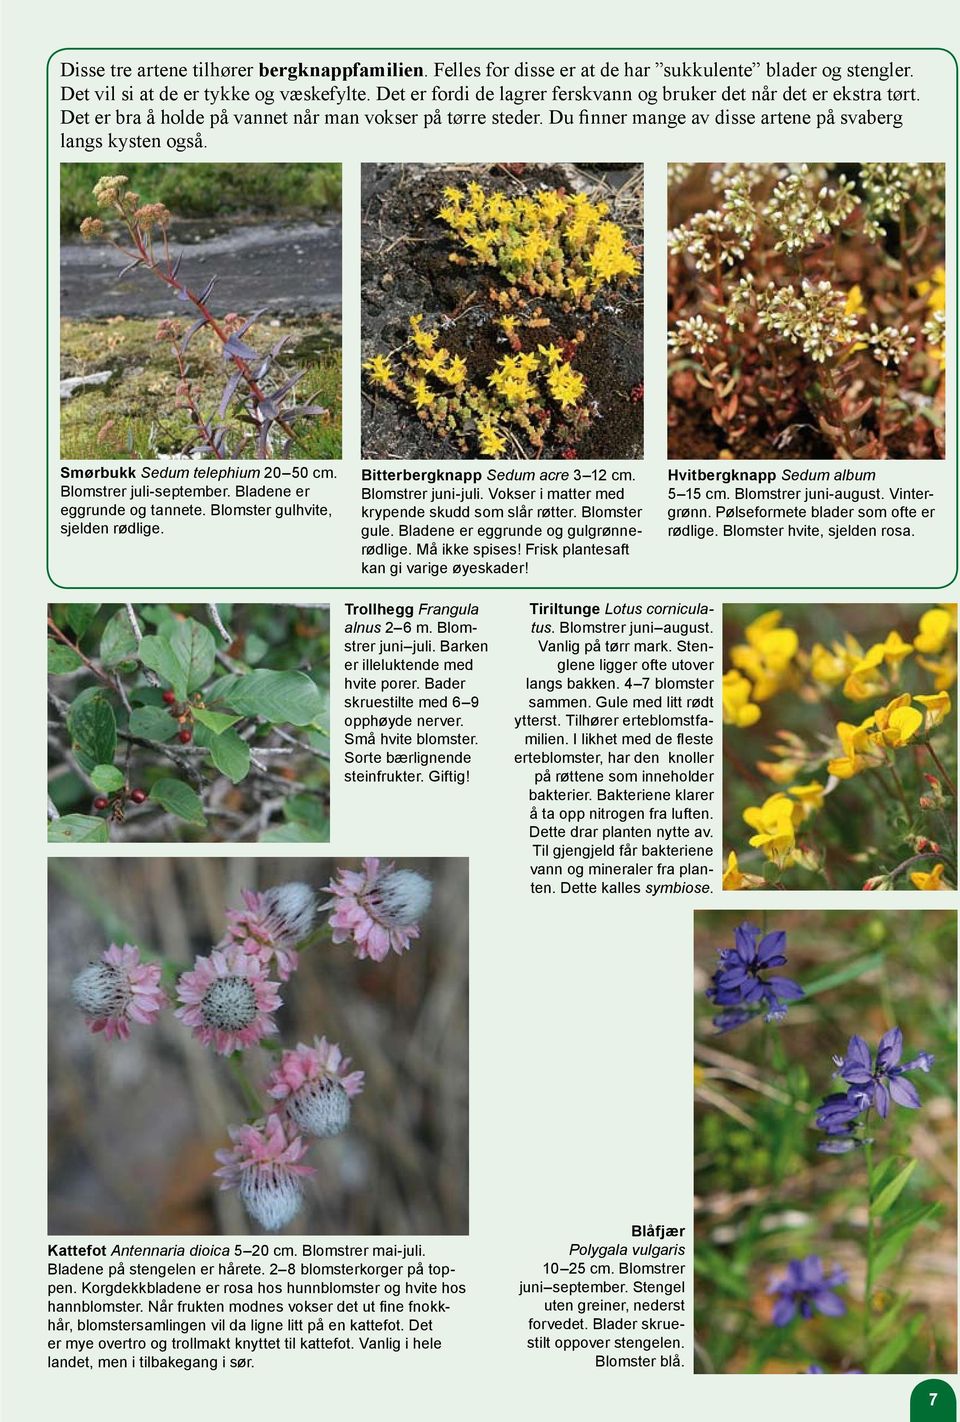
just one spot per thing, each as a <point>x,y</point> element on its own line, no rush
<point>743,982</point>
<point>806,1289</point>
<point>880,1080</point>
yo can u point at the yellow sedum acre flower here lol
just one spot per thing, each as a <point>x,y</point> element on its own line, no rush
<point>738,709</point>
<point>492,442</point>
<point>455,373</point>
<point>565,384</point>
<point>421,393</point>
<point>931,881</point>
<point>381,371</point>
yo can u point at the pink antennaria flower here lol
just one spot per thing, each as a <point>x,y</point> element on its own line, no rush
<point>228,1000</point>
<point>271,924</point>
<point>264,1165</point>
<point>378,908</point>
<point>118,990</point>
<point>315,1088</point>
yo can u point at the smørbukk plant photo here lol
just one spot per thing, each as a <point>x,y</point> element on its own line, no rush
<point>246,1044</point>
<point>807,315</point>
<point>502,311</point>
<point>840,747</point>
<point>173,722</point>
<point>825,1142</point>
<point>200,311</point>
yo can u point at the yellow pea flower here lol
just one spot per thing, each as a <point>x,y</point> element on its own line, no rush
<point>866,680</point>
<point>858,751</point>
<point>767,656</point>
<point>895,649</point>
<point>934,629</point>
<point>738,709</point>
<point>775,821</point>
<point>944,671</point>
<point>935,709</point>
<point>897,723</point>
<point>809,797</point>
<point>931,881</point>
<point>734,878</point>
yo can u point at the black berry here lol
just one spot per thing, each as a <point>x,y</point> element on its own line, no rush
<point>138,796</point>
<point>101,802</point>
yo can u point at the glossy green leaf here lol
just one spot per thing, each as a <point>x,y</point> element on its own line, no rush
<point>118,643</point>
<point>153,723</point>
<point>231,755</point>
<point>77,829</point>
<point>285,698</point>
<point>215,721</point>
<point>80,615</point>
<point>177,797</point>
<point>60,659</point>
<point>194,647</point>
<point>92,727</point>
<point>106,779</point>
<point>157,653</point>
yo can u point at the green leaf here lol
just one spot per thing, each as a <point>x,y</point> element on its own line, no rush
<point>254,649</point>
<point>106,779</point>
<point>281,697</point>
<point>885,1360</point>
<point>288,834</point>
<point>887,1322</point>
<point>61,659</point>
<point>231,755</point>
<point>92,727</point>
<point>310,812</point>
<point>322,719</point>
<point>153,723</point>
<point>158,616</point>
<point>215,721</point>
<point>891,1192</point>
<point>80,615</point>
<point>118,644</point>
<point>195,649</point>
<point>844,975</point>
<point>156,652</point>
<point>895,1239</point>
<point>77,829</point>
<point>710,1264</point>
<point>179,799</point>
